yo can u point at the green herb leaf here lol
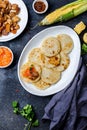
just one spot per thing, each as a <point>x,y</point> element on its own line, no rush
<point>84,48</point>
<point>31,67</point>
<point>27,109</point>
<point>35,123</point>
<point>27,112</point>
<point>16,110</point>
<point>14,104</point>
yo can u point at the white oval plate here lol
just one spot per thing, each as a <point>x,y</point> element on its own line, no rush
<point>67,75</point>
<point>23,22</point>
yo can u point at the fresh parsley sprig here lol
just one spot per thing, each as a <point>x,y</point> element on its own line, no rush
<point>28,113</point>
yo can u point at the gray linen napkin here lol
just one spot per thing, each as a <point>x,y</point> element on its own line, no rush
<point>67,110</point>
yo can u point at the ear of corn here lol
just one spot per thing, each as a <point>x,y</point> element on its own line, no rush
<point>65,13</point>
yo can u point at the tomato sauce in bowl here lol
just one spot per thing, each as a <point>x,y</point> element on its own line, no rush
<point>6,56</point>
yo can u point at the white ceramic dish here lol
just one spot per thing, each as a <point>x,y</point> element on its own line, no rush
<point>67,75</point>
<point>23,22</point>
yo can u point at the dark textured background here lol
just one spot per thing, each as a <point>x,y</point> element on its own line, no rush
<point>10,88</point>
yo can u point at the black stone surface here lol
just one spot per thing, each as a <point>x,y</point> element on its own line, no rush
<point>10,88</point>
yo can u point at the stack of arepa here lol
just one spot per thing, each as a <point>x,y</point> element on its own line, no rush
<point>46,63</point>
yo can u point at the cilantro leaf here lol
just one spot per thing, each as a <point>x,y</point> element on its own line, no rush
<point>14,104</point>
<point>27,112</point>
<point>16,110</point>
<point>35,123</point>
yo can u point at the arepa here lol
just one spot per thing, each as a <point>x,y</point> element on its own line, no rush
<point>35,56</point>
<point>40,84</point>
<point>50,76</point>
<point>50,46</point>
<point>51,62</point>
<point>66,43</point>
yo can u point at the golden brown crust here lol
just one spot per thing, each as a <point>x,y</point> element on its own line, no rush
<point>64,63</point>
<point>51,62</point>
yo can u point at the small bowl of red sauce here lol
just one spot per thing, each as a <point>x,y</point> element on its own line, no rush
<point>6,56</point>
<point>40,6</point>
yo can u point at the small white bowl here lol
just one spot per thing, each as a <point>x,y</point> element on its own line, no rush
<point>46,4</point>
<point>11,59</point>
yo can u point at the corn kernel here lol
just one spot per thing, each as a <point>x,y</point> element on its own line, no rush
<point>80,27</point>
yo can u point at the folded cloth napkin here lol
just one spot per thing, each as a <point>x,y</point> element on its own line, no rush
<point>67,110</point>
